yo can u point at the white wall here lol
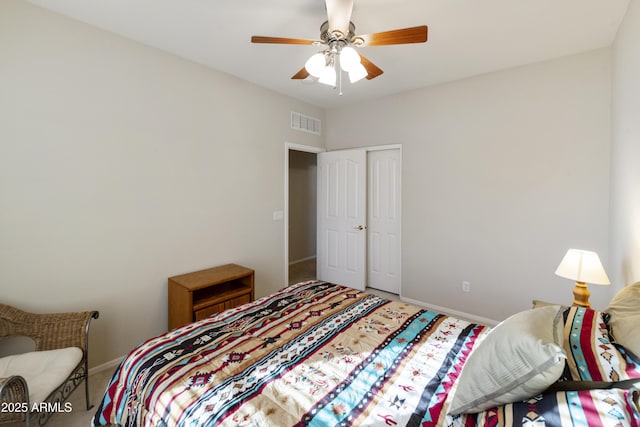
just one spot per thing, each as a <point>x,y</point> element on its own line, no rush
<point>121,165</point>
<point>502,173</point>
<point>625,157</point>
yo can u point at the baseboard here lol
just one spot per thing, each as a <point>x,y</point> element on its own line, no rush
<point>298,261</point>
<point>107,366</point>
<point>455,313</point>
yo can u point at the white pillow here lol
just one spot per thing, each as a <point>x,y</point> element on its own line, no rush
<point>624,309</point>
<point>521,357</point>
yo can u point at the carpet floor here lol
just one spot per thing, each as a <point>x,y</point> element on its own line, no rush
<point>78,415</point>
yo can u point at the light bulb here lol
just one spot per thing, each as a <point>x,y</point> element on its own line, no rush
<point>357,73</point>
<point>316,64</point>
<point>328,76</point>
<point>349,58</point>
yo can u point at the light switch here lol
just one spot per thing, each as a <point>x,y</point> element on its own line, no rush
<point>278,215</point>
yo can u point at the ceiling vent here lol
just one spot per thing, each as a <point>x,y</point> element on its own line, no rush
<point>305,123</point>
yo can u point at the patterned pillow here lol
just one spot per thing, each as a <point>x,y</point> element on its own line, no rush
<point>600,407</point>
<point>591,356</point>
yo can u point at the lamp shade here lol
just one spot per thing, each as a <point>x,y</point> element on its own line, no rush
<point>357,73</point>
<point>328,76</point>
<point>582,266</point>
<point>316,64</point>
<point>349,58</point>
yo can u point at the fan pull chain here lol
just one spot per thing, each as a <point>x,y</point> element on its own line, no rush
<point>340,81</point>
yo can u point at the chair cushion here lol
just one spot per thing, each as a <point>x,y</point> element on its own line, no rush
<point>44,370</point>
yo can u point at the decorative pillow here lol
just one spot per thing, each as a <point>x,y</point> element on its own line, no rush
<point>519,358</point>
<point>599,407</point>
<point>591,356</point>
<point>624,310</point>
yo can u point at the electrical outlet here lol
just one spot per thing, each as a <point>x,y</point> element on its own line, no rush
<point>466,286</point>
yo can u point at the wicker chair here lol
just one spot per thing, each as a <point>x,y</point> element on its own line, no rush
<point>49,332</point>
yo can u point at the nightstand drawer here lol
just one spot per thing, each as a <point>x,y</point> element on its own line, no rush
<point>237,301</point>
<point>206,312</point>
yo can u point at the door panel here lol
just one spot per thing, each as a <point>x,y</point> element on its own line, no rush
<point>384,196</point>
<point>332,250</point>
<point>355,180</point>
<point>341,254</point>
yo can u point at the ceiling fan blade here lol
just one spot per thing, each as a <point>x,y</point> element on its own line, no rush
<point>301,75</point>
<point>403,36</point>
<point>280,40</point>
<point>339,15</point>
<point>373,70</point>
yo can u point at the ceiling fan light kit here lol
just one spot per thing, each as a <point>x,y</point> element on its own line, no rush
<point>323,65</point>
<point>339,47</point>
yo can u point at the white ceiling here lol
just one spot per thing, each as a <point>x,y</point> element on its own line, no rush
<point>466,37</point>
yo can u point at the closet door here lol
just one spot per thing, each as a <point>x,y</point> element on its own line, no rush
<point>342,236</point>
<point>384,220</point>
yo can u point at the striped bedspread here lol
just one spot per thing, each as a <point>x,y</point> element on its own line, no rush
<point>313,354</point>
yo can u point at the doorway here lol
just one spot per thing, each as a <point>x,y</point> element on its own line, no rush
<point>300,164</point>
<point>302,216</point>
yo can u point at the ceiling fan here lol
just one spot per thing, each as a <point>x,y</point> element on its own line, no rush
<point>338,39</point>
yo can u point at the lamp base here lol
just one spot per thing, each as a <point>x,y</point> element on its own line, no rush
<point>581,295</point>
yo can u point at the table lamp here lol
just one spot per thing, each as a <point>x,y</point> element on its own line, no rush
<point>583,267</point>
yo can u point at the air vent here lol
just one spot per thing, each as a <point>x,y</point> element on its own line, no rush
<point>305,123</point>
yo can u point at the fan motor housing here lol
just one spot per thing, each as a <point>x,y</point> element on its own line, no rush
<point>336,35</point>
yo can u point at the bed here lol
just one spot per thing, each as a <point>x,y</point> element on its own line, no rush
<point>321,354</point>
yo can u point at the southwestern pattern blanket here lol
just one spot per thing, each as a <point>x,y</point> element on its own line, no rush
<point>314,354</point>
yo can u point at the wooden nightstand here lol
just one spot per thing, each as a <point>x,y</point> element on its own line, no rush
<point>194,296</point>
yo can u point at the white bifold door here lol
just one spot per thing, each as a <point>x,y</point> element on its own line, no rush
<point>358,221</point>
<point>384,220</point>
